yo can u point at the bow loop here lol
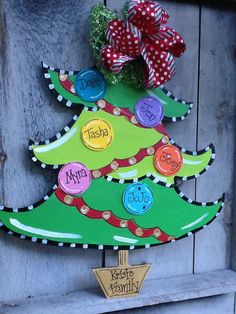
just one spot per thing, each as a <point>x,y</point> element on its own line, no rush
<point>147,15</point>
<point>167,39</point>
<point>113,59</point>
<point>124,37</point>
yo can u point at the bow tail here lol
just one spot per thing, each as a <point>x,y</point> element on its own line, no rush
<point>160,66</point>
<point>113,59</point>
<point>150,73</point>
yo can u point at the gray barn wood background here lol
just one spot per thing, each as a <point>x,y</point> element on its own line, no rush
<point>56,31</point>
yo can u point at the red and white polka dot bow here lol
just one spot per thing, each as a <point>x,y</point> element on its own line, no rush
<point>144,34</point>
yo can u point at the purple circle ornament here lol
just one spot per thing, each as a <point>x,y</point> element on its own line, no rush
<point>149,111</point>
<point>74,178</point>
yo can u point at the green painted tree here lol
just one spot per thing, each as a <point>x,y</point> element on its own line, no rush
<point>98,217</point>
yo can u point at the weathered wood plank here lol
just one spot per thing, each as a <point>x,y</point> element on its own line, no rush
<point>32,31</point>
<point>156,291</point>
<point>217,124</point>
<point>176,258</point>
<point>222,304</point>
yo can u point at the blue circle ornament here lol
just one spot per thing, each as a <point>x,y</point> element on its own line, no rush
<point>90,85</point>
<point>137,198</point>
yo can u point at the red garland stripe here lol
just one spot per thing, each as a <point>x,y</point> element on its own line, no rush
<point>117,163</point>
<point>111,218</point>
<point>107,107</point>
<point>67,84</point>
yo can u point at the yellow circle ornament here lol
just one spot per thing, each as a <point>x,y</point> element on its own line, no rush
<point>97,134</point>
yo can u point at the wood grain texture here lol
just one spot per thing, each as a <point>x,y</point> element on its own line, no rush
<point>216,123</point>
<point>32,31</point>
<point>222,304</point>
<point>156,291</point>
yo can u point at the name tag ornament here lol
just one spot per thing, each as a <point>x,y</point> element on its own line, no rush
<point>97,134</point>
<point>137,198</point>
<point>90,85</point>
<point>74,178</point>
<point>149,112</point>
<point>168,160</point>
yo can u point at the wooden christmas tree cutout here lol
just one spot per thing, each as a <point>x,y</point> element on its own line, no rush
<point>118,169</point>
<point>123,280</point>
